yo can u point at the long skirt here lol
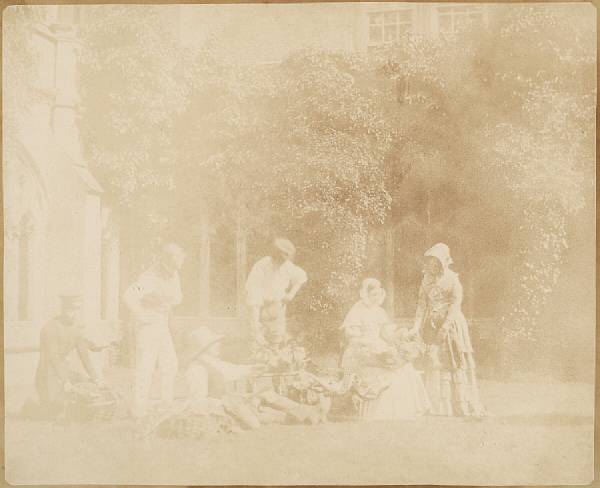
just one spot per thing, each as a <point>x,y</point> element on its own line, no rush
<point>385,393</point>
<point>405,398</point>
<point>451,380</point>
<point>450,377</point>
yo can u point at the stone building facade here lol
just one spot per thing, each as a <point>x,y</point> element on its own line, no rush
<point>267,33</point>
<point>58,234</point>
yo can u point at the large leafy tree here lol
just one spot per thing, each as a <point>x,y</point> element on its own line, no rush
<point>502,131</point>
<point>489,149</point>
<point>295,149</point>
<point>134,81</point>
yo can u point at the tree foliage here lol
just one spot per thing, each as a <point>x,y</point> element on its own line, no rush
<point>511,114</point>
<point>135,81</point>
<point>300,151</point>
<point>490,149</point>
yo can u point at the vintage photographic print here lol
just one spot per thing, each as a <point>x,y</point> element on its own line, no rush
<point>292,244</point>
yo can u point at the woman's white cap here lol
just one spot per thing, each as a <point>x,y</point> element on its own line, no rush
<point>442,252</point>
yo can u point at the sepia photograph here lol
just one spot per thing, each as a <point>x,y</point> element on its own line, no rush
<point>299,243</point>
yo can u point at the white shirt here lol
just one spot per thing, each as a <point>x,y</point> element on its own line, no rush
<point>268,283</point>
<point>152,296</point>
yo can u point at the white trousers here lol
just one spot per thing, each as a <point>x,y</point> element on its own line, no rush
<point>153,345</point>
<point>197,380</point>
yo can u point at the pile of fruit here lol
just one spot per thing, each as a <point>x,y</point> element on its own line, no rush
<point>410,350</point>
<point>404,349</point>
<point>285,358</point>
<point>195,426</point>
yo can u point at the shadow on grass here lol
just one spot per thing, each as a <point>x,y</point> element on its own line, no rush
<point>549,419</point>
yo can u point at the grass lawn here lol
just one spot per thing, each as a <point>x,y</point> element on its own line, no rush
<point>539,434</point>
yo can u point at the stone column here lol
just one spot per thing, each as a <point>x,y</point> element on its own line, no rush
<point>11,276</point>
<point>111,255</point>
<point>92,240</point>
<point>64,113</point>
<point>204,274</point>
<point>37,310</point>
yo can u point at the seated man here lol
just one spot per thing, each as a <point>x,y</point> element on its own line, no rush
<point>58,338</point>
<point>208,378</point>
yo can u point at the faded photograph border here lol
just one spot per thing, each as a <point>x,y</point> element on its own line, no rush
<point>61,2</point>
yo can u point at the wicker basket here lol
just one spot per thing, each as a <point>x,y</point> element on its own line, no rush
<point>103,411</point>
<point>84,407</point>
<point>85,412</point>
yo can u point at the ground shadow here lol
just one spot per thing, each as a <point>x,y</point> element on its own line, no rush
<point>547,419</point>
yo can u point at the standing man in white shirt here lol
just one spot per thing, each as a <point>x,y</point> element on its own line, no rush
<point>273,282</point>
<point>150,300</point>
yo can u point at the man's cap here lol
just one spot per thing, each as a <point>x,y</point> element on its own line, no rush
<point>285,246</point>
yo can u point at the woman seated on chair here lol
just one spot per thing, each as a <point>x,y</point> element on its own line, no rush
<point>363,327</point>
<point>376,351</point>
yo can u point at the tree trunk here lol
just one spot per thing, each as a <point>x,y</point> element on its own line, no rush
<point>241,269</point>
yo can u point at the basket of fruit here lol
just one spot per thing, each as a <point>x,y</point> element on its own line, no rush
<point>282,363</point>
<point>284,358</point>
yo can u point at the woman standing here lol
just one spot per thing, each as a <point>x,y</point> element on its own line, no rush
<point>450,375</point>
